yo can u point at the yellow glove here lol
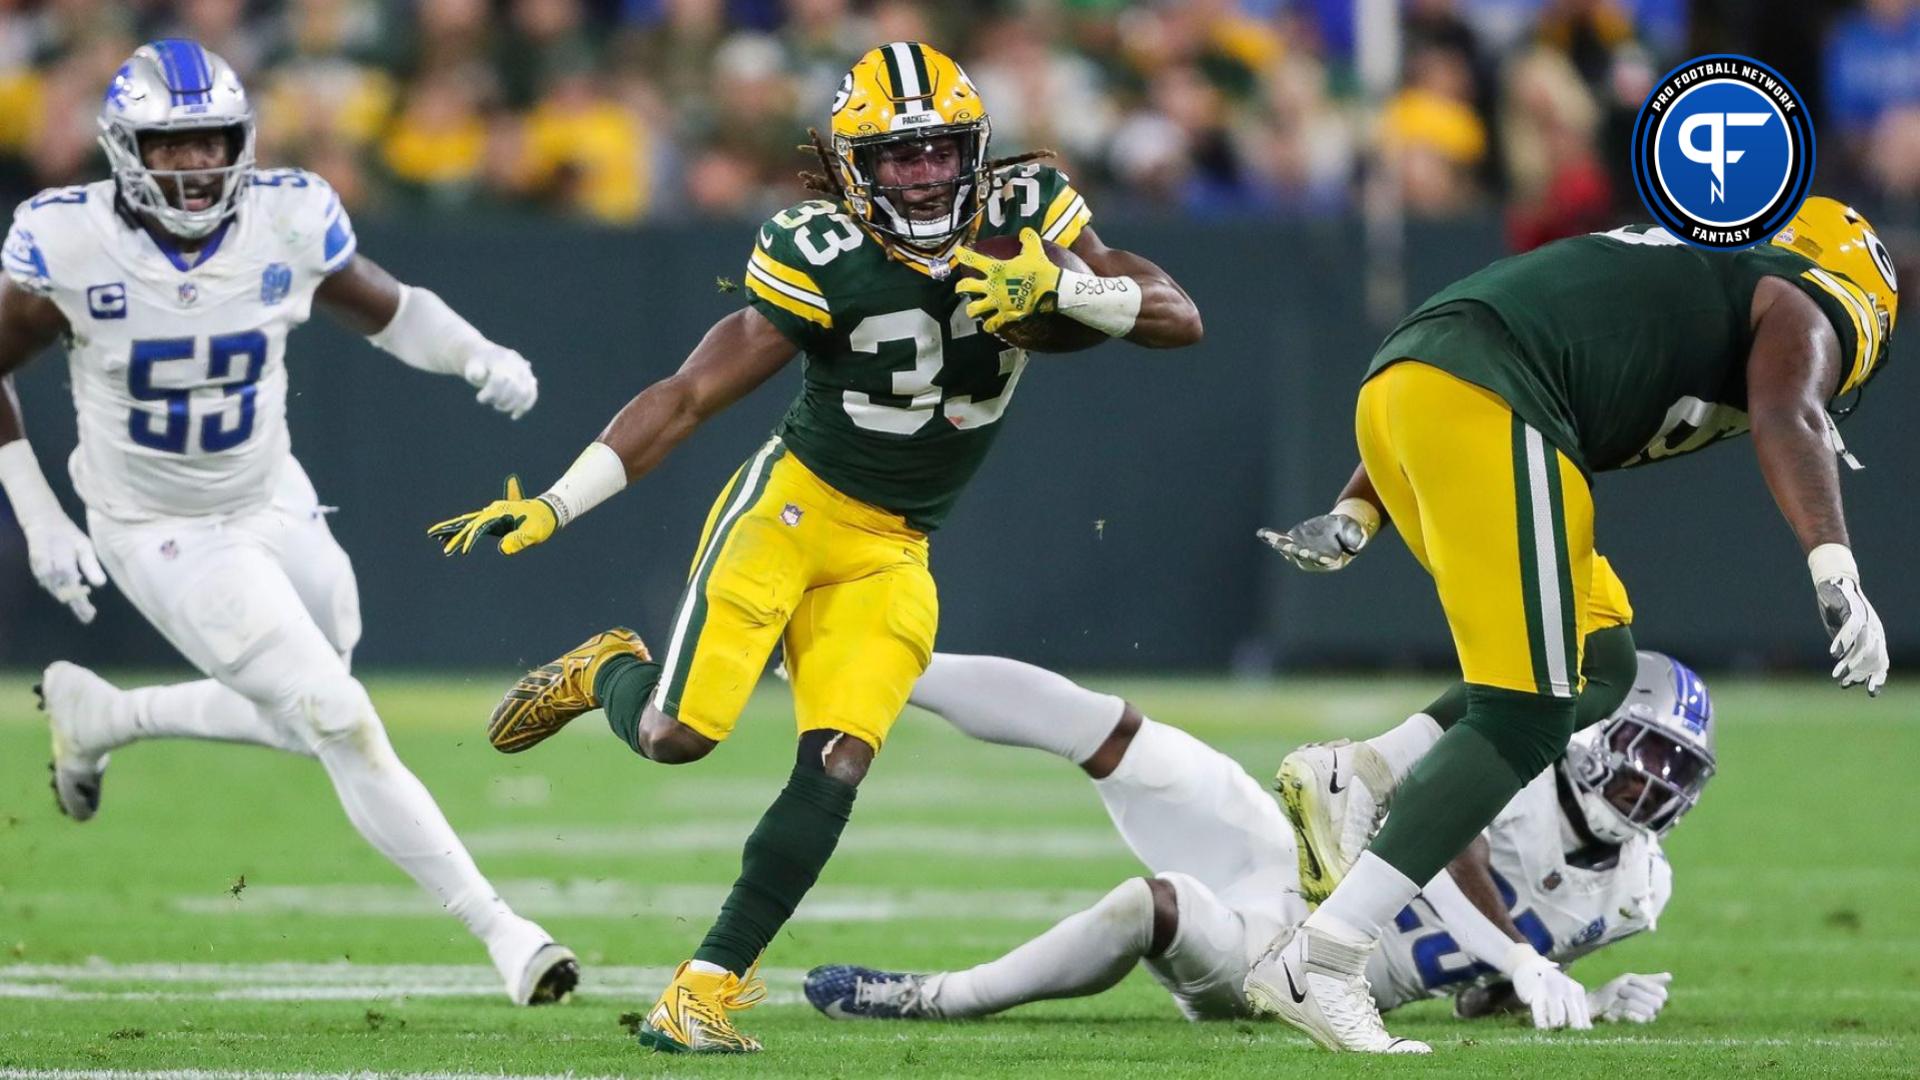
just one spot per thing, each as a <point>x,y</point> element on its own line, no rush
<point>519,522</point>
<point>1012,289</point>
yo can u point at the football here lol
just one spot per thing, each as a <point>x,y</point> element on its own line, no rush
<point>1049,333</point>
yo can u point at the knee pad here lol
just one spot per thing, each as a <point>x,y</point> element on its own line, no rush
<point>337,708</point>
<point>1529,730</point>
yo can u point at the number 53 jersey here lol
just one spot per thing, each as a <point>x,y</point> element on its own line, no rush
<point>1566,905</point>
<point>178,368</point>
<point>902,392</point>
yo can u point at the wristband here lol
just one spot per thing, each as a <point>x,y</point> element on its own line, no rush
<point>1829,561</point>
<point>26,486</point>
<point>1110,305</point>
<point>1362,511</point>
<point>595,476</point>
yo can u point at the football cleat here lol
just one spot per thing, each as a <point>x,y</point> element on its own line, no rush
<point>693,1013</point>
<point>1336,795</point>
<point>1318,983</point>
<point>846,992</point>
<point>549,696</point>
<point>71,696</point>
<point>537,971</point>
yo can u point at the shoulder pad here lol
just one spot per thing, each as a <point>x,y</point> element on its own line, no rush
<point>304,208</point>
<point>41,227</point>
<point>794,251</point>
<point>1040,197</point>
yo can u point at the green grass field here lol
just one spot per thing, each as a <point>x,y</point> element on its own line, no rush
<point>130,944</point>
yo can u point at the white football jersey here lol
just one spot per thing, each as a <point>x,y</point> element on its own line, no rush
<point>178,372</point>
<point>1565,910</point>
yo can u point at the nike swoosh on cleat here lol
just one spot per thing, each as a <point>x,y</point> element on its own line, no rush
<point>1298,995</point>
<point>1334,786</point>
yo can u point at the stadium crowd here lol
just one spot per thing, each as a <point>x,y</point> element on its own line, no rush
<point>624,110</point>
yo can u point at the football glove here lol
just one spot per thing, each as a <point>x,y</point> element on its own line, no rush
<point>519,522</point>
<point>1859,643</point>
<point>1328,542</point>
<point>1633,999</point>
<point>63,562</point>
<point>504,378</point>
<point>1557,1000</point>
<point>1011,289</point>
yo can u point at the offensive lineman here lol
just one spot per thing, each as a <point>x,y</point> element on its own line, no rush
<point>1573,863</point>
<point>174,286</point>
<point>1480,423</point>
<point>821,537</point>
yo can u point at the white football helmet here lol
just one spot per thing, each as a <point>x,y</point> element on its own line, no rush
<point>1645,766</point>
<point>175,85</point>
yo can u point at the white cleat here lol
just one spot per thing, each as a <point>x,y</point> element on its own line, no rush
<point>1318,984</point>
<point>1336,795</point>
<point>73,697</point>
<point>536,969</point>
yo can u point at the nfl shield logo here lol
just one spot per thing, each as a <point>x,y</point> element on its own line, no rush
<point>169,550</point>
<point>189,292</point>
<point>790,514</point>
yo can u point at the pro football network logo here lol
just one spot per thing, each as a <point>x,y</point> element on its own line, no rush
<point>1723,152</point>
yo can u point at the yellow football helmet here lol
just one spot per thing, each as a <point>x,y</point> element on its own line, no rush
<point>900,96</point>
<point>1841,241</point>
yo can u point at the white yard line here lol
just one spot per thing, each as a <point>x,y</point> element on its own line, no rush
<point>944,841</point>
<point>220,1074</point>
<point>540,898</point>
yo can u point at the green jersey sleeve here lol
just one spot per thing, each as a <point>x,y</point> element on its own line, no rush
<point>1039,197</point>
<point>783,280</point>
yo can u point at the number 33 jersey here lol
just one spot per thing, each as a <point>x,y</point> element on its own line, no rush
<point>901,392</point>
<point>1565,910</point>
<point>178,368</point>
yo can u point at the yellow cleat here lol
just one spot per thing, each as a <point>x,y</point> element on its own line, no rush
<point>549,696</point>
<point>691,1016</point>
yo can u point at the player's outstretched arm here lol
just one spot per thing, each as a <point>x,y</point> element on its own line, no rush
<point>1329,541</point>
<point>739,353</point>
<point>59,553</point>
<point>418,328</point>
<point>1468,903</point>
<point>1793,371</point>
<point>1125,295</point>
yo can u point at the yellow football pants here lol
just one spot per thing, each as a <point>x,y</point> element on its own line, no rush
<point>845,582</point>
<point>1500,518</point>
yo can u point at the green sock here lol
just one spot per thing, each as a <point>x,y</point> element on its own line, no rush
<point>782,860</point>
<point>623,684</point>
<point>1609,663</point>
<point>1468,776</point>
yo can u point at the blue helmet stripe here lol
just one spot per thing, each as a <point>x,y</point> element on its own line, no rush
<point>1691,701</point>
<point>184,64</point>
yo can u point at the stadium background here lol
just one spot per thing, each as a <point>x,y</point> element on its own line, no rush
<point>582,178</point>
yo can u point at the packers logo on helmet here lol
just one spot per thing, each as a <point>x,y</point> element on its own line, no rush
<point>1855,269</point>
<point>910,146</point>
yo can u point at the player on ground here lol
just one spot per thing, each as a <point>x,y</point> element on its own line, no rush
<point>1480,423</point>
<point>174,286</point>
<point>1571,864</point>
<point>820,540</point>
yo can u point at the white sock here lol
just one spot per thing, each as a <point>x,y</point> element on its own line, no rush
<point>1405,745</point>
<point>392,809</point>
<point>705,967</point>
<point>1082,954</point>
<point>203,709</point>
<point>1372,893</point>
<point>1005,701</point>
<point>1184,807</point>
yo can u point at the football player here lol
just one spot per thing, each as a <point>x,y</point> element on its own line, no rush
<point>820,540</point>
<point>174,285</point>
<point>1571,864</point>
<point>1481,421</point>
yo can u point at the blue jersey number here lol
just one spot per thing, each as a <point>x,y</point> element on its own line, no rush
<point>1440,960</point>
<point>67,195</point>
<point>168,430</point>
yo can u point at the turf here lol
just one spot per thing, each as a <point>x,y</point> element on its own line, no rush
<point>207,919</point>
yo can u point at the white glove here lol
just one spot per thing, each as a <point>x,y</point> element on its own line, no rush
<point>1330,541</point>
<point>505,379</point>
<point>1634,999</point>
<point>1859,641</point>
<point>63,562</point>
<point>1557,1000</point>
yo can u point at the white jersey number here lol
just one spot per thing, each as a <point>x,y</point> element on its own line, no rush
<point>918,383</point>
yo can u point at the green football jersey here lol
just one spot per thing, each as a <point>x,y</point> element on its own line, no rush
<point>902,392</point>
<point>1622,347</point>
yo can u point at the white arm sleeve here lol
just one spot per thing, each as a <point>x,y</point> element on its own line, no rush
<point>427,334</point>
<point>26,486</point>
<point>1476,934</point>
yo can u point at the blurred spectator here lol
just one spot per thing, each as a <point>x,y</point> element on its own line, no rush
<point>321,106</point>
<point>1430,135</point>
<point>1558,186</point>
<point>1039,97</point>
<point>581,151</point>
<point>1872,77</point>
<point>438,144</point>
